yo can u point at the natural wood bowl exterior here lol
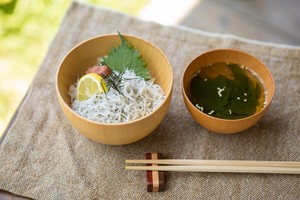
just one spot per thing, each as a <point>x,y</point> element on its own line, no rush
<point>83,56</point>
<point>225,126</point>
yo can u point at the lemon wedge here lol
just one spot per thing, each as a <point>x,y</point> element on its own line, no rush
<point>89,85</point>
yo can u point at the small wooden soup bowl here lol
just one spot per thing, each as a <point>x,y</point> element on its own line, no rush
<point>85,55</point>
<point>227,126</point>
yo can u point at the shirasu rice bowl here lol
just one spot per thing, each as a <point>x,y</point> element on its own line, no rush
<point>137,98</point>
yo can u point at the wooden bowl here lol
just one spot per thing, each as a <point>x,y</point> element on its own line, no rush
<point>227,126</point>
<point>83,56</point>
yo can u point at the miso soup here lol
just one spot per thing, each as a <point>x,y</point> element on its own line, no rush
<point>227,91</point>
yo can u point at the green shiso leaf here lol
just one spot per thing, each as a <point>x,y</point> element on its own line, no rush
<point>124,57</point>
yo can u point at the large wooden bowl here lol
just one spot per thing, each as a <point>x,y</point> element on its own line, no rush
<point>83,56</point>
<point>225,126</point>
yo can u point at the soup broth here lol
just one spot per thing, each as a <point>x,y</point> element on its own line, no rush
<point>227,91</point>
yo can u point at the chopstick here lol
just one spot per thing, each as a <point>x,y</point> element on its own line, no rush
<point>233,166</point>
<point>216,162</point>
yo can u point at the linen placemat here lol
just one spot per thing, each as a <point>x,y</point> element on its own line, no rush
<point>44,157</point>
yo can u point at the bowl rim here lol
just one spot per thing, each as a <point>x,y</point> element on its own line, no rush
<point>229,120</point>
<point>167,94</point>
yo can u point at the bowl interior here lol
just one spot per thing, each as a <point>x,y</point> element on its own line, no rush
<point>85,55</point>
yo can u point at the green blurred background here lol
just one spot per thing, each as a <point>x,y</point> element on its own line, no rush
<point>26,30</point>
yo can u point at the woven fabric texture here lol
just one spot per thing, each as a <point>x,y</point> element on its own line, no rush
<point>44,157</point>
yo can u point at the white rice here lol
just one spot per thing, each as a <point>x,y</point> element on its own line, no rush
<point>141,98</point>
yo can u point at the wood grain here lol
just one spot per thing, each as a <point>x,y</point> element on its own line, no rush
<point>232,166</point>
<point>155,179</point>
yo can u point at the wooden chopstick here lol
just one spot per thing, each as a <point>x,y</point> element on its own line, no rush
<point>216,162</point>
<point>236,166</point>
<point>232,169</point>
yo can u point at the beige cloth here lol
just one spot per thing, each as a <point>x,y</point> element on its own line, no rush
<point>44,157</point>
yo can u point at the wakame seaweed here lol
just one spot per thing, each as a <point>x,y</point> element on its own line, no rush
<point>228,91</point>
